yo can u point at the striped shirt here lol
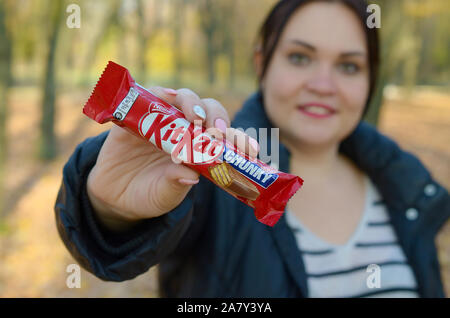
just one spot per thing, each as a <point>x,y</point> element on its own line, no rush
<point>370,264</point>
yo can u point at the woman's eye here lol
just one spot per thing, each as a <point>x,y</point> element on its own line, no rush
<point>298,58</point>
<point>349,68</point>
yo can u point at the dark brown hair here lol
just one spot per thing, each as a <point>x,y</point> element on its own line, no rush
<point>278,17</point>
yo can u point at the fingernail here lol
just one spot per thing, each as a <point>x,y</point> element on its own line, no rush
<point>170,91</point>
<point>254,144</point>
<point>187,181</point>
<point>220,124</point>
<point>199,111</point>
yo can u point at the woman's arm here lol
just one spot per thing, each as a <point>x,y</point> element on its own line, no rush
<point>109,255</point>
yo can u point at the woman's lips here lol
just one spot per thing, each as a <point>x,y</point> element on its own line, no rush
<point>316,110</point>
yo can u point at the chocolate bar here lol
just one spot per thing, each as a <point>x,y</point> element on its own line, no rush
<point>229,179</point>
<point>119,99</point>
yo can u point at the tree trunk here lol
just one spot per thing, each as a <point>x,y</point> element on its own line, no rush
<point>177,39</point>
<point>230,34</point>
<point>389,34</point>
<point>209,27</point>
<point>111,18</point>
<point>5,81</point>
<point>142,44</point>
<point>47,149</point>
<point>148,28</point>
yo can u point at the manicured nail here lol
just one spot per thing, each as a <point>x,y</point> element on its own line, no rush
<point>170,91</point>
<point>254,144</point>
<point>199,111</point>
<point>220,124</point>
<point>187,181</point>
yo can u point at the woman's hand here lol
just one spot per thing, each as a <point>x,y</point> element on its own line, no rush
<point>133,180</point>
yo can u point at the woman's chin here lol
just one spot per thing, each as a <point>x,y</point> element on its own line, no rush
<point>315,138</point>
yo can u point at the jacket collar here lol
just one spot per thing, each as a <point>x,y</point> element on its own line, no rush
<point>378,156</point>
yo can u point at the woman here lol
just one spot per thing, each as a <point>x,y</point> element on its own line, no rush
<point>366,206</point>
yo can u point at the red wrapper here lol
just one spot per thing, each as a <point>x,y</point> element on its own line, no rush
<point>118,98</point>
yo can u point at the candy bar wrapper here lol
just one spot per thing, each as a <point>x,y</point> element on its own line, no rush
<point>118,98</point>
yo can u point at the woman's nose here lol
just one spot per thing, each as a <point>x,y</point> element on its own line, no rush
<point>322,82</point>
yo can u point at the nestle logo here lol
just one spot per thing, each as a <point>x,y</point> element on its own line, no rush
<point>159,108</point>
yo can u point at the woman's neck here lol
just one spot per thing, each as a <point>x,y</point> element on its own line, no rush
<point>319,163</point>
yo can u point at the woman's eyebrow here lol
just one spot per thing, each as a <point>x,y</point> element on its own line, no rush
<point>302,43</point>
<point>353,53</point>
<point>312,48</point>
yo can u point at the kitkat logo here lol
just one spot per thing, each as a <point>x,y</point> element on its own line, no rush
<point>175,135</point>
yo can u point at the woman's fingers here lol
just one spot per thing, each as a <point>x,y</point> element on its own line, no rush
<point>185,100</point>
<point>217,115</point>
<point>191,105</point>
<point>181,176</point>
<point>209,113</point>
<point>243,142</point>
<point>167,94</point>
<point>218,125</point>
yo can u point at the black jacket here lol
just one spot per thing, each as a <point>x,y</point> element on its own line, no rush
<point>211,245</point>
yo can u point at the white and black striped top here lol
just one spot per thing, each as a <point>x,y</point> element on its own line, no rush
<point>346,270</point>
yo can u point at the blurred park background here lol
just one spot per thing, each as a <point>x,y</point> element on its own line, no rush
<point>48,69</point>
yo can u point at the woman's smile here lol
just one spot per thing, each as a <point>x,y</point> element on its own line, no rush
<point>316,110</point>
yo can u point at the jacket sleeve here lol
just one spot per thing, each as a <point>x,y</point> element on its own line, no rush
<point>437,206</point>
<point>119,256</point>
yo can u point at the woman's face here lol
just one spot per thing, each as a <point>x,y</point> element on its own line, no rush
<point>317,81</point>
